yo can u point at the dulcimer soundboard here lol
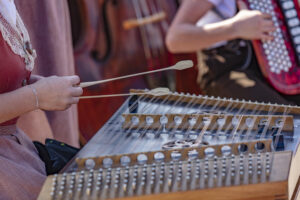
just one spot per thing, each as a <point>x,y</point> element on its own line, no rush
<point>183,146</point>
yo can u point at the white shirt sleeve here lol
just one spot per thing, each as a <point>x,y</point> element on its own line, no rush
<point>215,2</point>
<point>226,7</point>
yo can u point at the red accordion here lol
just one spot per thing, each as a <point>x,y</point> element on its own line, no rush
<point>280,59</point>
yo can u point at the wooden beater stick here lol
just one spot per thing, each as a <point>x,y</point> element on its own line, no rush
<point>178,66</point>
<point>154,92</point>
<point>106,96</point>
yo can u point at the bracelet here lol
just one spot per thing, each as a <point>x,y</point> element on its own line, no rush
<point>34,91</point>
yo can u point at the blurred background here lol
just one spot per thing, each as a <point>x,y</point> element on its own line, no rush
<point>112,38</point>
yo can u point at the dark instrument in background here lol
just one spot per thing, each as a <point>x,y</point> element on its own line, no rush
<point>280,59</point>
<point>114,38</point>
<point>186,81</point>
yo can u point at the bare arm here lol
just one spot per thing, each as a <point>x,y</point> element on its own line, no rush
<point>185,36</point>
<point>16,103</point>
<point>35,124</point>
<point>54,93</point>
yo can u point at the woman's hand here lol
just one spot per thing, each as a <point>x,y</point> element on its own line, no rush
<point>58,93</point>
<point>252,24</point>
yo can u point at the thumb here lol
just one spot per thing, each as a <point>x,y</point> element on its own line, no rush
<point>242,5</point>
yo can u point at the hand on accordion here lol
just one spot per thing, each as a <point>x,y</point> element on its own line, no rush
<point>252,24</point>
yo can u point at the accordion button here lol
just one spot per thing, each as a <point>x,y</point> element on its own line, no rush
<point>295,31</point>
<point>291,13</point>
<point>297,40</point>
<point>293,22</point>
<point>288,5</point>
<point>298,49</point>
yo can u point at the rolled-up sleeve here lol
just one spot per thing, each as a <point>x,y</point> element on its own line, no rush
<point>215,2</point>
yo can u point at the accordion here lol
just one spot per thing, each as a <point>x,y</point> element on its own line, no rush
<point>183,146</point>
<point>279,59</point>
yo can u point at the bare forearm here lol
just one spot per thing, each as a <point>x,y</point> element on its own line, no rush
<point>52,93</point>
<point>185,38</point>
<point>16,103</point>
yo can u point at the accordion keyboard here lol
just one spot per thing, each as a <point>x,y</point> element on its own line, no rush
<point>279,59</point>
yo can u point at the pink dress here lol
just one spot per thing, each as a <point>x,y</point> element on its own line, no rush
<point>22,172</point>
<point>48,24</point>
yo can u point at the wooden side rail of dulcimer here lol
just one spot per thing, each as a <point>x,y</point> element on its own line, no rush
<point>172,174</point>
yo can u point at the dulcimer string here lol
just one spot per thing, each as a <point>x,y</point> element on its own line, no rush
<point>181,65</point>
<point>141,97</point>
<point>127,140</point>
<point>156,133</point>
